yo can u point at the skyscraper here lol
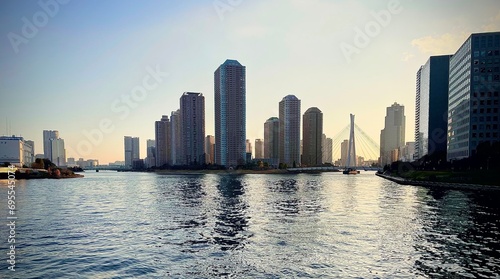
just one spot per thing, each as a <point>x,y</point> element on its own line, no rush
<point>327,149</point>
<point>431,106</point>
<point>58,152</point>
<point>312,133</point>
<point>344,146</point>
<point>131,150</point>
<point>210,149</point>
<point>47,136</point>
<point>162,141</point>
<point>259,149</point>
<point>151,153</point>
<point>230,114</point>
<point>473,98</point>
<point>248,146</point>
<point>271,140</point>
<point>289,144</point>
<point>175,138</point>
<point>192,112</point>
<point>392,137</point>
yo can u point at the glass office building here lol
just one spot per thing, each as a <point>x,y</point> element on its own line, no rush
<point>431,108</point>
<point>473,100</point>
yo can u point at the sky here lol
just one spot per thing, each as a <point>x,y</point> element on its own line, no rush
<point>97,71</point>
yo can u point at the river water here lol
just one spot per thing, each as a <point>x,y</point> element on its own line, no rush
<point>145,225</point>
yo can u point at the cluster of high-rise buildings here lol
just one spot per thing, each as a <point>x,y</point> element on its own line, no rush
<point>180,139</point>
<point>457,99</point>
<point>456,105</point>
<point>456,109</point>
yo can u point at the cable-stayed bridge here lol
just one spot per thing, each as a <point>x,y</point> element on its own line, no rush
<point>362,144</point>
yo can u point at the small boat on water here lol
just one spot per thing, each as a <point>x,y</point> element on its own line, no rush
<point>350,171</point>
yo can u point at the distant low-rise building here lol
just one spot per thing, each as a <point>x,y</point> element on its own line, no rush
<point>407,152</point>
<point>16,151</point>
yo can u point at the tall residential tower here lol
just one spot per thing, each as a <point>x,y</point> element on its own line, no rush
<point>131,145</point>
<point>271,140</point>
<point>230,114</point>
<point>289,144</point>
<point>312,133</point>
<point>192,112</point>
<point>162,141</point>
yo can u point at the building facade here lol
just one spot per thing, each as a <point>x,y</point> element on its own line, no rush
<point>289,143</point>
<point>150,160</point>
<point>271,140</point>
<point>259,149</point>
<point>162,142</point>
<point>32,144</point>
<point>175,138</point>
<point>344,146</point>
<point>473,98</point>
<point>431,106</point>
<point>248,148</point>
<point>132,154</point>
<point>392,137</point>
<point>230,114</point>
<point>407,152</point>
<point>312,136</point>
<point>47,136</point>
<point>210,149</point>
<point>58,152</point>
<point>15,151</point>
<point>192,112</point>
<point>327,149</point>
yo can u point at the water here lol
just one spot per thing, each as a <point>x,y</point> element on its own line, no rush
<point>143,225</point>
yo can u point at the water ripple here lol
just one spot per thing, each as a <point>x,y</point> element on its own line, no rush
<point>143,225</point>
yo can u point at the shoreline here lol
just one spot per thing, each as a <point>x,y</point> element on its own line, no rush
<point>441,185</point>
<point>201,172</point>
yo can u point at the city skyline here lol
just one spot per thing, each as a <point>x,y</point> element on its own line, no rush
<point>84,84</point>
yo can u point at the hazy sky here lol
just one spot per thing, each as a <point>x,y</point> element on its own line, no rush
<point>118,66</point>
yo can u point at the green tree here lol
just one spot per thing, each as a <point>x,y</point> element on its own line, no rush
<point>38,164</point>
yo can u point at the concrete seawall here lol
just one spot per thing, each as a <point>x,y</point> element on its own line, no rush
<point>443,185</point>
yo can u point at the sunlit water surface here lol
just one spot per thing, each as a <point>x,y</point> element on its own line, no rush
<point>144,225</point>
